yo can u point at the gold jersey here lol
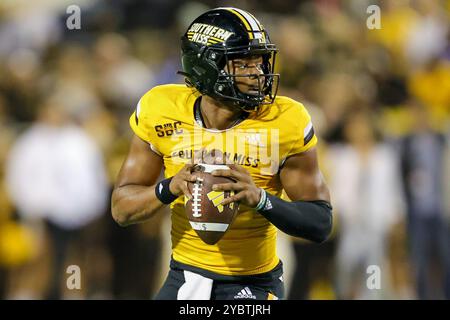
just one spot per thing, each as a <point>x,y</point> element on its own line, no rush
<point>166,118</point>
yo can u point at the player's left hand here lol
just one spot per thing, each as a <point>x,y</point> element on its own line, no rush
<point>246,192</point>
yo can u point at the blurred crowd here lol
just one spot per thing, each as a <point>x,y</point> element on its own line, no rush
<point>380,103</point>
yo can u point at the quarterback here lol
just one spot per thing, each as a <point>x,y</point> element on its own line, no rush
<point>227,113</point>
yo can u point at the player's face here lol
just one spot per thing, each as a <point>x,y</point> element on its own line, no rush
<point>252,66</point>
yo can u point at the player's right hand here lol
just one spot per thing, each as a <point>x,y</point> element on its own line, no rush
<point>178,185</point>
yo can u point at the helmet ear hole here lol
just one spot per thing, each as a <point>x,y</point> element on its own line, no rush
<point>217,58</point>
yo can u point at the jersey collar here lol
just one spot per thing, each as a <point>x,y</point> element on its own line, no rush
<point>201,122</point>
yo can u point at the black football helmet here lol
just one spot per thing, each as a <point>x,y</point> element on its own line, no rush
<point>221,35</point>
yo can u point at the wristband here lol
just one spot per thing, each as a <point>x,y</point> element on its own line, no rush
<point>262,201</point>
<point>163,193</point>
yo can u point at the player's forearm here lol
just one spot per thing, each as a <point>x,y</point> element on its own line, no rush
<point>133,204</point>
<point>311,220</point>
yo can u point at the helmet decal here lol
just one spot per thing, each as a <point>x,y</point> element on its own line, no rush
<point>207,34</point>
<point>254,28</point>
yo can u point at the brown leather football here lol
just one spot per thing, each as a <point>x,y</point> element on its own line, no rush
<point>206,215</point>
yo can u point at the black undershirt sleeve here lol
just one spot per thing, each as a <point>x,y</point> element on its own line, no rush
<point>311,220</point>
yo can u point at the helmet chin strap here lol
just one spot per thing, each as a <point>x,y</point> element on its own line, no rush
<point>244,106</point>
<point>235,103</point>
<point>250,108</point>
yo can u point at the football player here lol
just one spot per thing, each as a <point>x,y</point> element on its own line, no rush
<point>229,110</point>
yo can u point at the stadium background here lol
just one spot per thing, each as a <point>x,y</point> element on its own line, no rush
<point>65,99</point>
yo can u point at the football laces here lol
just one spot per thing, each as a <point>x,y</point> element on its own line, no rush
<point>197,198</point>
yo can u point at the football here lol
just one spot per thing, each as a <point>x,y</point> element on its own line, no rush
<point>206,215</point>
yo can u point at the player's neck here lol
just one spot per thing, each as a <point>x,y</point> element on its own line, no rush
<point>217,115</point>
